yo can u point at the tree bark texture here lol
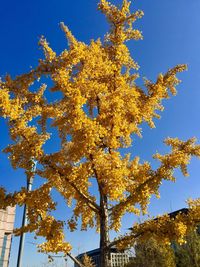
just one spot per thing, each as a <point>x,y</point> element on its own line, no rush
<point>104,232</point>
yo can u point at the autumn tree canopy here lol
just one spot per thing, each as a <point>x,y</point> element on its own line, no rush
<point>100,109</point>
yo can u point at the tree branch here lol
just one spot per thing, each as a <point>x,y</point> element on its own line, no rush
<point>164,225</point>
<point>93,205</point>
<point>75,260</point>
<point>135,193</point>
<point>123,238</point>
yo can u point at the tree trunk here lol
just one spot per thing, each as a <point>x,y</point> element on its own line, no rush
<point>104,233</point>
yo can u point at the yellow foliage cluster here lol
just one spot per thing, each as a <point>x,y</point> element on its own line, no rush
<point>87,261</point>
<point>165,228</point>
<point>101,107</point>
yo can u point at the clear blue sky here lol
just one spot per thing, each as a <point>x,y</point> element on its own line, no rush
<point>171,30</point>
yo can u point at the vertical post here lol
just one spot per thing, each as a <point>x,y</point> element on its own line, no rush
<point>24,219</point>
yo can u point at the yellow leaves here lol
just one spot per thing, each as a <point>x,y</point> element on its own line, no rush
<point>39,203</point>
<point>49,53</point>
<point>112,173</point>
<point>87,261</point>
<point>159,91</point>
<point>108,9</point>
<point>37,98</point>
<point>80,175</point>
<point>150,252</point>
<point>52,230</point>
<point>125,7</point>
<point>119,115</point>
<point>189,146</point>
<point>11,108</point>
<point>180,156</point>
<point>62,79</point>
<point>117,214</point>
<point>30,146</point>
<point>99,110</point>
<point>72,224</point>
<point>170,80</point>
<point>55,246</point>
<point>123,58</point>
<point>194,206</point>
<point>143,181</point>
<point>121,22</point>
<point>180,229</point>
<point>71,39</point>
<point>6,199</point>
<point>133,34</point>
<point>116,15</point>
<point>166,228</point>
<point>83,211</point>
<point>20,197</point>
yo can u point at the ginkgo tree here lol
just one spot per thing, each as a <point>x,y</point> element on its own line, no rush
<point>101,108</point>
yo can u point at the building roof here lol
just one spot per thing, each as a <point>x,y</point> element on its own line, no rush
<point>172,215</point>
<point>96,251</point>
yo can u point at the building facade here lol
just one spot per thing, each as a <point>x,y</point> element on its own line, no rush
<point>7,218</point>
<point>117,259</point>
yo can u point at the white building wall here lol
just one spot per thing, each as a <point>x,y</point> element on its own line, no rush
<point>7,218</point>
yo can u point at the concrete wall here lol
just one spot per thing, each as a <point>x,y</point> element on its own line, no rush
<point>7,218</point>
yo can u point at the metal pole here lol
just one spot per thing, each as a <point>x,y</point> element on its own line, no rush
<point>24,219</point>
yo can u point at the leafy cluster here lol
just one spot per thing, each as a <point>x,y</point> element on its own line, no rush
<point>152,253</point>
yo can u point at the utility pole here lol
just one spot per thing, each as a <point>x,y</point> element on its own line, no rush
<point>24,219</point>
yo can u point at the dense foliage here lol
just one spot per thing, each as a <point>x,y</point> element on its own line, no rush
<point>152,253</point>
<point>188,254</point>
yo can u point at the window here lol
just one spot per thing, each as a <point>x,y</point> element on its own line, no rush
<point>3,249</point>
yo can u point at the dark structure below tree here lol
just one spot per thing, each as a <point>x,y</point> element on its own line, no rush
<point>117,259</point>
